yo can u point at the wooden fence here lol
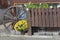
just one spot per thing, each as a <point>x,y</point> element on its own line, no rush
<point>40,17</point>
<point>13,2</point>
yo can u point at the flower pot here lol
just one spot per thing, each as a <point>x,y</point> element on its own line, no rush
<point>23,32</point>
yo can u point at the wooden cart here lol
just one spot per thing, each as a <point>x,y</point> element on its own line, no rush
<point>40,18</point>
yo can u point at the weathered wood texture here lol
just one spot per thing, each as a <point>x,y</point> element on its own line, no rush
<point>44,18</point>
<point>34,1</point>
<point>49,17</point>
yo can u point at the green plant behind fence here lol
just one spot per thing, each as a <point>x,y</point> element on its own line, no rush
<point>42,5</point>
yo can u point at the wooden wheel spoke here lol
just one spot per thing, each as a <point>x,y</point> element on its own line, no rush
<point>9,11</point>
<point>22,18</point>
<point>7,25</point>
<point>6,21</point>
<point>7,16</point>
<point>20,14</point>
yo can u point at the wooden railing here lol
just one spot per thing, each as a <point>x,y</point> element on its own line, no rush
<point>40,17</point>
<point>13,2</point>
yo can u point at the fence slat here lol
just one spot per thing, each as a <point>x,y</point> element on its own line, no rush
<point>47,18</point>
<point>33,17</point>
<point>29,21</point>
<point>55,17</point>
<point>43,18</point>
<point>40,17</point>
<point>36,17</point>
<point>58,10</point>
<point>51,18</point>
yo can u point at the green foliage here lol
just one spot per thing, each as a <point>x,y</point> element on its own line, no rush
<point>31,5</point>
<point>44,5</point>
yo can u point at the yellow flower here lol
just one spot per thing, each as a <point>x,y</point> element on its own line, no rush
<point>21,25</point>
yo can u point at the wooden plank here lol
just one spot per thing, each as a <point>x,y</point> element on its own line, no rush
<point>58,10</point>
<point>33,17</point>
<point>55,17</point>
<point>47,18</point>
<point>43,18</point>
<point>13,11</point>
<point>51,17</point>
<point>35,1</point>
<point>40,17</point>
<point>36,17</point>
<point>29,21</point>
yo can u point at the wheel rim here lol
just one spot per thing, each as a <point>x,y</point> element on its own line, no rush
<point>10,19</point>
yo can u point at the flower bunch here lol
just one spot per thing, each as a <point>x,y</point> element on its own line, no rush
<point>21,25</point>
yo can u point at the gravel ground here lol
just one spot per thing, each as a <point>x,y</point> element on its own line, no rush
<point>18,37</point>
<point>4,35</point>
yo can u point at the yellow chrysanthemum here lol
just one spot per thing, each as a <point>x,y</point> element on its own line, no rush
<point>21,25</point>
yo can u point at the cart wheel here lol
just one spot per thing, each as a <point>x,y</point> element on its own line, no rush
<point>12,15</point>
